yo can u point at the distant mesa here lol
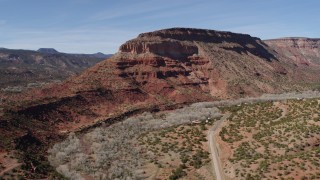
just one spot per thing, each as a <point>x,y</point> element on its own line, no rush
<point>101,55</point>
<point>98,55</point>
<point>48,51</point>
<point>167,68</point>
<point>158,70</point>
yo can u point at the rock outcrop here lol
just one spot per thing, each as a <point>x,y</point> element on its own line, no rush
<point>301,51</point>
<point>302,58</point>
<point>168,67</point>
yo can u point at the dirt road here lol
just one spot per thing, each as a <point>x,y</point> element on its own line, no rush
<point>213,148</point>
<point>212,132</point>
<point>9,168</point>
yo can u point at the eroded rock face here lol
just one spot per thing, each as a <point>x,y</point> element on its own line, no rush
<point>299,43</point>
<point>174,66</point>
<point>206,59</point>
<point>301,51</point>
<point>182,42</point>
<point>174,49</point>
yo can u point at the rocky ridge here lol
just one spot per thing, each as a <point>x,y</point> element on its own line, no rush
<point>301,51</point>
<point>173,66</point>
<point>159,70</point>
<point>25,69</point>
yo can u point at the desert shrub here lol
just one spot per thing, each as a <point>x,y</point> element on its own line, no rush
<point>178,173</point>
<point>111,153</point>
<point>64,169</point>
<point>112,146</point>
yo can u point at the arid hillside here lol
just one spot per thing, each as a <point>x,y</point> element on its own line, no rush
<point>304,53</point>
<point>259,134</point>
<point>156,71</point>
<point>24,69</point>
<point>168,67</point>
<point>301,51</point>
<point>178,66</point>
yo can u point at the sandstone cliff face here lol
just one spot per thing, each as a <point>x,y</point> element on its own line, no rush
<point>172,66</point>
<point>301,55</point>
<point>186,65</point>
<point>299,43</point>
<point>302,51</point>
<point>182,42</point>
<point>168,48</point>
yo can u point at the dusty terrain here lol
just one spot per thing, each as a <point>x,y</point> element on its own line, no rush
<point>272,140</point>
<point>148,146</point>
<point>9,166</point>
<point>156,71</point>
<point>214,150</point>
<point>179,152</point>
<point>162,145</point>
<point>302,51</point>
<point>164,68</point>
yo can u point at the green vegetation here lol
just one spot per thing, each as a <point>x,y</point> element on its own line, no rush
<point>184,144</point>
<point>268,138</point>
<point>123,149</point>
<point>178,173</point>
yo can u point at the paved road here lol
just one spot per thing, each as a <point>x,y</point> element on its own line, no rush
<point>214,150</point>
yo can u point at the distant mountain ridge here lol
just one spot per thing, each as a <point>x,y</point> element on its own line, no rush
<point>22,69</point>
<point>95,55</point>
<point>180,65</point>
<point>54,51</point>
<point>156,71</point>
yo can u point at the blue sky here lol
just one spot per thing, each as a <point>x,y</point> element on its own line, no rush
<point>89,26</point>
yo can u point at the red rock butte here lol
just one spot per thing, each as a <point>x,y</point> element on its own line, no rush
<point>174,66</point>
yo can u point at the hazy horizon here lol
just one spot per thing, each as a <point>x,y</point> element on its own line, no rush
<point>86,26</point>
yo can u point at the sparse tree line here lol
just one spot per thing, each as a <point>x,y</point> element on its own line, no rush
<point>112,152</point>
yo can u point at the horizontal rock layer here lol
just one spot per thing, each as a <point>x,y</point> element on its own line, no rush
<point>172,66</point>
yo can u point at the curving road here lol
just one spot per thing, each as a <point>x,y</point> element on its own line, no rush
<point>214,149</point>
<point>267,97</point>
